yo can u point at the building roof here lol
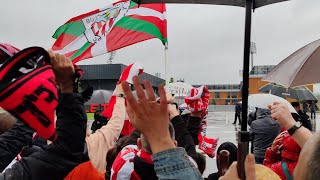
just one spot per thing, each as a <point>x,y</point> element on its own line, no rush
<point>261,71</point>
<point>222,87</point>
<point>113,72</point>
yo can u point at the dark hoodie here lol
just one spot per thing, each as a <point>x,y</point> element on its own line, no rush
<point>263,131</point>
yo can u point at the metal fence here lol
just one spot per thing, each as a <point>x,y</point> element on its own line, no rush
<point>221,108</point>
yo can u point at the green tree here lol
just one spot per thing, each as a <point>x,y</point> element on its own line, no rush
<point>171,80</point>
<point>213,102</point>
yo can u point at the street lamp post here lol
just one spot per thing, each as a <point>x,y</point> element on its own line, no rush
<point>253,50</point>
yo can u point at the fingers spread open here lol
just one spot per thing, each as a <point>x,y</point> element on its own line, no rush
<point>130,99</point>
<point>139,89</point>
<point>149,89</point>
<point>163,99</point>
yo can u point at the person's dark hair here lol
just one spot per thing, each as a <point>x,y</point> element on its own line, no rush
<point>113,152</point>
<point>295,104</point>
<point>232,150</point>
<point>201,162</point>
<point>313,171</point>
<point>99,121</point>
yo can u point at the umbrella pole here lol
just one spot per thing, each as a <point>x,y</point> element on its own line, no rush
<point>243,135</point>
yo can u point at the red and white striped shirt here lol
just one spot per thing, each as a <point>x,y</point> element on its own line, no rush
<point>123,166</point>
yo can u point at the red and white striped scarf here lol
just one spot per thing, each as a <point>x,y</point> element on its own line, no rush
<point>8,49</point>
<point>134,69</point>
<point>198,101</point>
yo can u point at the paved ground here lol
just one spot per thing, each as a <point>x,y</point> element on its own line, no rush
<point>220,125</point>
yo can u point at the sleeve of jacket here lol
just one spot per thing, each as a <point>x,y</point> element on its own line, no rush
<point>174,164</point>
<point>56,160</point>
<point>183,136</point>
<point>12,142</point>
<point>103,139</point>
<point>193,128</point>
<point>270,158</point>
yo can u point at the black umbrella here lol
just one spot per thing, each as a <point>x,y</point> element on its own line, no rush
<point>300,93</point>
<point>100,97</point>
<point>250,5</point>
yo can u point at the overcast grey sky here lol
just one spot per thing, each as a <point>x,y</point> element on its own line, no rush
<point>205,41</point>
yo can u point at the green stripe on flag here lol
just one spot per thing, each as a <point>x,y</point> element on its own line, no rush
<point>75,28</point>
<point>81,50</point>
<point>140,26</point>
<point>132,4</point>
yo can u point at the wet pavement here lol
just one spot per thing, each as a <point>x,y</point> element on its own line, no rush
<point>219,125</point>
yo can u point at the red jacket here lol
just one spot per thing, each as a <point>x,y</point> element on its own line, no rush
<point>289,155</point>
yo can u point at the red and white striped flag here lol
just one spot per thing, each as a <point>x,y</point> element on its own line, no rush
<point>134,69</point>
<point>7,51</point>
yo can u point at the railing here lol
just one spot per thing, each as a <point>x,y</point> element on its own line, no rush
<point>221,108</point>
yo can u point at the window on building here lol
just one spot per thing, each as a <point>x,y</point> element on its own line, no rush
<point>217,95</point>
<point>234,94</point>
<point>228,94</point>
<point>234,102</point>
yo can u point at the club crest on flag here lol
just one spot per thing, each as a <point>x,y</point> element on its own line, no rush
<point>107,29</point>
<point>100,24</point>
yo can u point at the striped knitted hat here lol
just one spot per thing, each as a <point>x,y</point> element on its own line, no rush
<point>28,90</point>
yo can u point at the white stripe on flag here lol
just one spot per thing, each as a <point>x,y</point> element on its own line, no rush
<point>146,12</point>
<point>74,45</point>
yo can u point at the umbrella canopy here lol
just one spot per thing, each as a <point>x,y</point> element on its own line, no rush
<point>299,93</point>
<point>300,68</point>
<point>179,89</point>
<point>241,3</point>
<point>263,100</point>
<point>100,97</point>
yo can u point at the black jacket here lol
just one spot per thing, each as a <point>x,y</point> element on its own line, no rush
<point>12,141</point>
<point>187,136</point>
<point>56,160</point>
<point>193,127</point>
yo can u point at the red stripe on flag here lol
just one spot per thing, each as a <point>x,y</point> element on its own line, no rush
<point>120,38</point>
<point>157,7</point>
<point>62,41</point>
<point>85,55</point>
<point>70,54</point>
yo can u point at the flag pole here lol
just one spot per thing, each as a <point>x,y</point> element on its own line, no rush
<point>166,64</point>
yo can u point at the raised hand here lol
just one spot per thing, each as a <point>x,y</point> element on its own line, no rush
<point>280,112</point>
<point>148,116</point>
<point>277,143</point>
<point>63,70</point>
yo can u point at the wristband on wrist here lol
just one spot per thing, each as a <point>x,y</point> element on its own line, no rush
<point>121,95</point>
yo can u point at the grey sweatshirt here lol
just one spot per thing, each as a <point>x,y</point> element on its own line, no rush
<point>263,130</point>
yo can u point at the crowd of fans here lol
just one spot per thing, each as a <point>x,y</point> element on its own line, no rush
<point>162,145</point>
